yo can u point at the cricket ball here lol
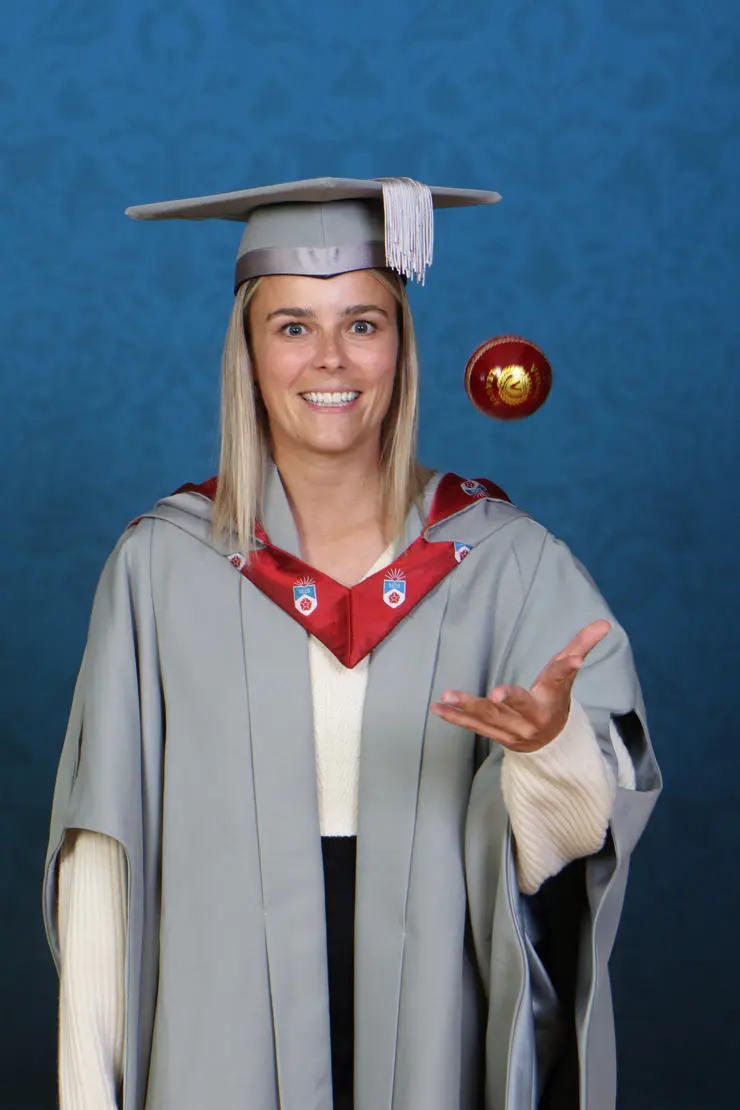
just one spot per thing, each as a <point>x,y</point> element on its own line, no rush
<point>508,377</point>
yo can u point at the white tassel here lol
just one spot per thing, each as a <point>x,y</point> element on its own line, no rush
<point>409,226</point>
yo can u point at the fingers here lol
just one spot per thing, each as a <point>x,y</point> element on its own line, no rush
<point>528,739</point>
<point>559,674</point>
<point>585,640</point>
<point>496,717</point>
<point>519,719</point>
<point>501,704</point>
<point>514,703</point>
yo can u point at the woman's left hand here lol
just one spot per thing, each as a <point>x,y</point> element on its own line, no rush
<point>525,720</point>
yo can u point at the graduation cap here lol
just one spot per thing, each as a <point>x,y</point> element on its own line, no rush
<point>327,225</point>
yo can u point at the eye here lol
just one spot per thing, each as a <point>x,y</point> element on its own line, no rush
<point>362,327</point>
<point>294,330</point>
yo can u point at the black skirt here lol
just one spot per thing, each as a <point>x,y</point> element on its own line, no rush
<point>340,858</point>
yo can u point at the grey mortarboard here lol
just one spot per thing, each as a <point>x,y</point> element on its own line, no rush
<point>327,225</point>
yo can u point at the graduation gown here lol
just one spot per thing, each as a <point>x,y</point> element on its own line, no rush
<point>190,742</point>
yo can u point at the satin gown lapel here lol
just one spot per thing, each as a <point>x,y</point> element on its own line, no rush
<point>396,708</point>
<point>288,834</point>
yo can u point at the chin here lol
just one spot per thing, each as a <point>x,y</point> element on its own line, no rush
<point>337,446</point>
<point>334,450</point>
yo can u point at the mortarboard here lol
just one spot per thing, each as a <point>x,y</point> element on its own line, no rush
<point>327,225</point>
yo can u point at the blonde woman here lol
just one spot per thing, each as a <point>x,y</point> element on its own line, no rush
<point>357,754</point>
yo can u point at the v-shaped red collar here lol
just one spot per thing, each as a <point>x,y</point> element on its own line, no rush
<point>352,620</point>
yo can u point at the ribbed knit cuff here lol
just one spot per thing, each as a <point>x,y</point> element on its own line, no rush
<point>559,800</point>
<point>92,939</point>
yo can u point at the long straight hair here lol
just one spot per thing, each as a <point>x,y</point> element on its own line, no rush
<point>245,434</point>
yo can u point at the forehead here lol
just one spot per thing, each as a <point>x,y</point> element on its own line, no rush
<point>293,290</point>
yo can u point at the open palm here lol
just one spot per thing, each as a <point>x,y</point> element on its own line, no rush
<point>519,719</point>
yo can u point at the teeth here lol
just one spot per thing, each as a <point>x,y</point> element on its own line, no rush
<point>344,398</point>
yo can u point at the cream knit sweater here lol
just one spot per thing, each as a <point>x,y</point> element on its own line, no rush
<point>559,802</point>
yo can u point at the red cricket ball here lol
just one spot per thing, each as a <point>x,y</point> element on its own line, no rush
<point>508,377</point>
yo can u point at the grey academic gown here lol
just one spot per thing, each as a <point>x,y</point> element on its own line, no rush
<point>190,742</point>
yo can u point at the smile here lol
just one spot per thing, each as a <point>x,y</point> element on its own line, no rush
<point>331,400</point>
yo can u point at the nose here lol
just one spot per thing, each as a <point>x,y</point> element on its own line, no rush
<point>329,353</point>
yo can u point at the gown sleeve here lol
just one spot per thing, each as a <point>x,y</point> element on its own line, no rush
<point>571,922</point>
<point>569,925</point>
<point>109,781</point>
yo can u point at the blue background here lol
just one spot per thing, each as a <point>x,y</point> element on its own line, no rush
<point>611,129</point>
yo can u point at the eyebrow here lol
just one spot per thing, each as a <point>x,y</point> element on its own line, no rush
<point>308,313</point>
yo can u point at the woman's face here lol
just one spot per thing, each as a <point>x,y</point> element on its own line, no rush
<point>324,352</point>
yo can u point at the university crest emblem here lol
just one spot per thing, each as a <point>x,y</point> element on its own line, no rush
<point>304,596</point>
<point>461,550</point>
<point>473,488</point>
<point>394,588</point>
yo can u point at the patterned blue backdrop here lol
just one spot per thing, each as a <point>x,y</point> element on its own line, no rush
<point>611,129</point>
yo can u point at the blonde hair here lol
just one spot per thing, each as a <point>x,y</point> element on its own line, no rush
<point>245,435</point>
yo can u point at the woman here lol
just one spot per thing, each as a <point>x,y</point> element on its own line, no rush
<point>325,783</point>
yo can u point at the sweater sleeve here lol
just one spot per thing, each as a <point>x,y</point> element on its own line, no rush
<point>560,798</point>
<point>92,940</point>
